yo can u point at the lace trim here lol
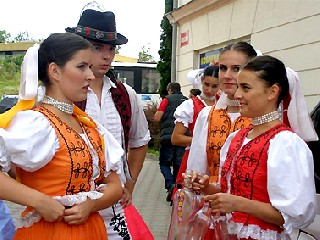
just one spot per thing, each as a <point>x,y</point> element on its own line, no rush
<point>255,232</point>
<point>217,219</point>
<point>5,162</point>
<point>68,201</point>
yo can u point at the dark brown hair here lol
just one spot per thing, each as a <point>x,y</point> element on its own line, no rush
<point>272,71</point>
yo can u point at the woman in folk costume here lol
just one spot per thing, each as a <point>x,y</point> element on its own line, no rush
<point>186,114</point>
<point>267,184</point>
<point>214,124</point>
<point>57,148</point>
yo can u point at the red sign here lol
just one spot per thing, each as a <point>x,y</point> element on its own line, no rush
<point>184,38</point>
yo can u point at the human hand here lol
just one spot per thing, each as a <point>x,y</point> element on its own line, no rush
<point>199,182</point>
<point>222,202</point>
<point>49,209</point>
<point>126,198</point>
<point>78,214</point>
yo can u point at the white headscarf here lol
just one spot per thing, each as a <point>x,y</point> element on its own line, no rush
<point>29,74</point>
<point>222,102</point>
<point>298,114</point>
<point>28,86</point>
<point>194,77</point>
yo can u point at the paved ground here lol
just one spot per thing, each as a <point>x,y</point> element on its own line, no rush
<point>149,198</point>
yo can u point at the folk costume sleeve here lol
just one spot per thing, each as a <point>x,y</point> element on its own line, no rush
<point>198,157</point>
<point>5,163</point>
<point>290,180</point>
<point>29,141</point>
<point>184,113</point>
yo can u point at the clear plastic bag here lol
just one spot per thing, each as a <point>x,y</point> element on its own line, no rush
<point>221,229</point>
<point>200,223</point>
<point>190,217</point>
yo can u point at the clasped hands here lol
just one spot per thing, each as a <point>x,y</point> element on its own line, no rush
<point>53,211</point>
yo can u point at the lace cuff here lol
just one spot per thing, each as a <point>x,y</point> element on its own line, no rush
<point>5,163</point>
<point>67,200</point>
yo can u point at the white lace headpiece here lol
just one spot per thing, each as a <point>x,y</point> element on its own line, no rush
<point>195,76</point>
<point>29,74</point>
<point>222,102</point>
<point>297,112</point>
<point>259,53</point>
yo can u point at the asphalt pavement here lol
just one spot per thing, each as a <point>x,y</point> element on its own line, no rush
<point>149,198</point>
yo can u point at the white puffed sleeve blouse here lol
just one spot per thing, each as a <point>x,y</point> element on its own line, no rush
<point>30,142</point>
<point>290,180</point>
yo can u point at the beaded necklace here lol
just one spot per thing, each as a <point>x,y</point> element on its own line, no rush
<point>62,106</point>
<point>269,117</point>
<point>233,103</point>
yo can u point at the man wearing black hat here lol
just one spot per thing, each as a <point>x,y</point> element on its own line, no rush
<point>116,106</point>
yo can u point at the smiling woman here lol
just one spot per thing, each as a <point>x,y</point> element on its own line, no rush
<point>261,163</point>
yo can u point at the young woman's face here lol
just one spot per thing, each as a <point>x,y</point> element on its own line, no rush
<point>256,99</point>
<point>210,86</point>
<point>102,58</point>
<point>230,63</point>
<point>76,76</point>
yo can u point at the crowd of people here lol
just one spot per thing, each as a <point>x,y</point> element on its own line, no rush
<point>74,147</point>
<point>251,157</point>
<point>251,148</point>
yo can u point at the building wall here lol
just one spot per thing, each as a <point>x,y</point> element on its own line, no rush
<point>286,29</point>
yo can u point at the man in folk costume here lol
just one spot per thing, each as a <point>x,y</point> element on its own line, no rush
<point>116,106</point>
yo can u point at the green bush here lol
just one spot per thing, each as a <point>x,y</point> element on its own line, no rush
<point>10,74</point>
<point>153,151</point>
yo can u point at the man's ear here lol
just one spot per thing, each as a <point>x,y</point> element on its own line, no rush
<point>54,71</point>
